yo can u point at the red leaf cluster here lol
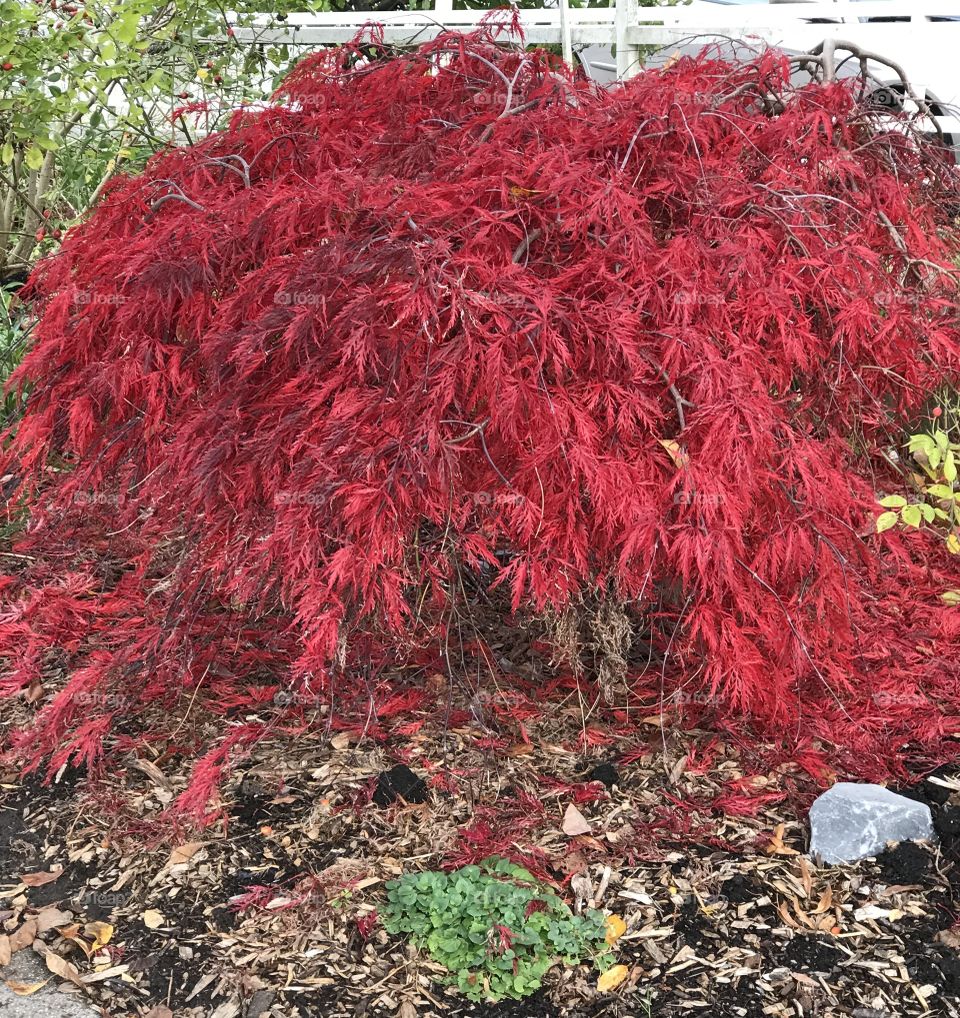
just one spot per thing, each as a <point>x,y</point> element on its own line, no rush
<point>460,315</point>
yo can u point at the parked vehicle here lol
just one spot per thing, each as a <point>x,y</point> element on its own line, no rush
<point>926,48</point>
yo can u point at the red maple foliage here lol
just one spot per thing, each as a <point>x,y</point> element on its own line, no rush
<point>460,319</point>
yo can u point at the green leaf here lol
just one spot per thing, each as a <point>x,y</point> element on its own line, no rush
<point>911,515</point>
<point>885,521</point>
<point>33,157</point>
<point>949,467</point>
<point>939,491</point>
<point>893,502</point>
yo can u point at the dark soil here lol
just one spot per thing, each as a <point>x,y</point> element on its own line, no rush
<point>19,845</point>
<point>807,954</point>
<point>605,773</point>
<point>399,783</point>
<point>928,791</point>
<point>907,863</point>
<point>739,889</point>
<point>946,822</point>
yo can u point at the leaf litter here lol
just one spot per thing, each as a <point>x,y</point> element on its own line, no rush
<point>713,907</point>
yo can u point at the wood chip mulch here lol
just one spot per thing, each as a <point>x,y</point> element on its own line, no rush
<point>272,912</point>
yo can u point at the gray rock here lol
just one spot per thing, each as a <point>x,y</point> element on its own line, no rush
<point>852,821</point>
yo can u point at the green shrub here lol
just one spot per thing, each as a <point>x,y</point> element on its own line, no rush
<point>493,926</point>
<point>13,340</point>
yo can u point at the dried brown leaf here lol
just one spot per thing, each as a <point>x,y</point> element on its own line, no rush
<point>39,879</point>
<point>574,822</point>
<point>25,989</point>
<point>24,936</point>
<point>49,918</point>
<point>184,853</point>
<point>61,967</point>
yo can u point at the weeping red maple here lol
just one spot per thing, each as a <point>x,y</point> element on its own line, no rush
<point>460,316</point>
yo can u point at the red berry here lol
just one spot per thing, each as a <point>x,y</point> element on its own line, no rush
<point>210,64</point>
<point>8,66</point>
<point>46,213</point>
<point>230,33</point>
<point>57,234</point>
<point>218,79</point>
<point>183,95</point>
<point>41,233</point>
<point>937,411</point>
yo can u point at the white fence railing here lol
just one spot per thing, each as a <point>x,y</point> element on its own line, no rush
<point>924,40</point>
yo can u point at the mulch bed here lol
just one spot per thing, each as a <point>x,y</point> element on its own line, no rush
<point>271,910</point>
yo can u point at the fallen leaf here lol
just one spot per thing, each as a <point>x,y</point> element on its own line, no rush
<point>519,749</point>
<point>25,989</point>
<point>153,919</point>
<point>786,916</point>
<point>101,974</point>
<point>573,863</point>
<point>50,918</point>
<point>5,952</point>
<point>184,853</point>
<point>776,846</point>
<point>72,933</point>
<point>801,915</point>
<point>616,928</point>
<point>826,902</point>
<point>24,936</point>
<point>806,877</point>
<point>39,879</point>
<point>159,1011</point>
<point>61,967</point>
<point>574,822</point>
<point>612,978</point>
<point>101,933</point>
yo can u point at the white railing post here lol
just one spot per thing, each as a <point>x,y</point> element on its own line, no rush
<point>566,36</point>
<point>628,54</point>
